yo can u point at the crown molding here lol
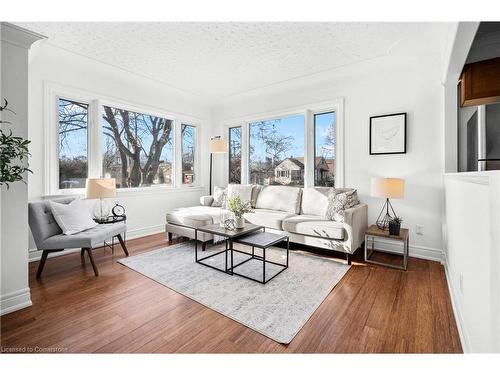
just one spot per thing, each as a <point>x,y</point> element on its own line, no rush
<point>19,36</point>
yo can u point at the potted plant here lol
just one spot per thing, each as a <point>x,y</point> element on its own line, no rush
<point>395,225</point>
<point>239,208</point>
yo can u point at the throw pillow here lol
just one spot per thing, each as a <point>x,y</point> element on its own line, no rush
<point>219,196</point>
<point>338,202</point>
<point>73,217</point>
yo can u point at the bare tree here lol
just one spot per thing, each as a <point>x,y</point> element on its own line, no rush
<point>130,132</point>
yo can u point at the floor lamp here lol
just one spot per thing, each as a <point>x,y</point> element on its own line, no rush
<point>387,188</point>
<point>217,145</point>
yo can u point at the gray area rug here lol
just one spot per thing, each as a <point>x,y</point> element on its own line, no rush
<point>278,309</point>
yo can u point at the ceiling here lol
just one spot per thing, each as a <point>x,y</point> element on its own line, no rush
<point>215,60</point>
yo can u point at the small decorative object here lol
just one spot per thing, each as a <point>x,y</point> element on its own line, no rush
<point>229,224</point>
<point>224,213</point>
<point>101,188</point>
<point>387,188</point>
<point>239,208</point>
<point>395,226</point>
<point>388,134</point>
<point>118,210</point>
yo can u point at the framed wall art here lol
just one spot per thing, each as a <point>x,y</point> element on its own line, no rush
<point>388,134</point>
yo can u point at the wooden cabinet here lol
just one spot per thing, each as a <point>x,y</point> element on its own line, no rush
<point>480,83</point>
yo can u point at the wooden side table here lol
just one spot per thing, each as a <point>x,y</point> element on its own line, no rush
<point>373,232</point>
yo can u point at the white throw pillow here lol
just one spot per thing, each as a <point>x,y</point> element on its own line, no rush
<point>73,217</point>
<point>244,191</point>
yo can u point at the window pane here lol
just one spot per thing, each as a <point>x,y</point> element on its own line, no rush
<point>277,151</point>
<point>73,121</point>
<point>324,149</point>
<point>137,148</point>
<point>188,150</point>
<point>235,155</point>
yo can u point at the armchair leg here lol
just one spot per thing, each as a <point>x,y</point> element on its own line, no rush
<point>349,258</point>
<point>120,238</point>
<point>45,253</point>
<point>89,252</point>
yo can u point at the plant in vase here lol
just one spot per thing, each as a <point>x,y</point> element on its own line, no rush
<point>395,225</point>
<point>239,208</point>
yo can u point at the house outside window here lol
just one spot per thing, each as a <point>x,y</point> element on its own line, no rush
<point>324,149</point>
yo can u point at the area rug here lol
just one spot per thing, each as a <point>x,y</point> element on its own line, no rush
<point>278,309</point>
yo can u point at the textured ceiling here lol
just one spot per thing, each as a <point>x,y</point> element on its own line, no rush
<point>215,60</point>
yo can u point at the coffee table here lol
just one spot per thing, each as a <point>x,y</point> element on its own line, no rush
<point>250,235</point>
<point>230,235</point>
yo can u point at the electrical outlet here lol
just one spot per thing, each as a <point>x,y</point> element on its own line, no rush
<point>419,229</point>
<point>461,283</point>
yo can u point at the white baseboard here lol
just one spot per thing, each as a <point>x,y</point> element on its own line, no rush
<point>35,255</point>
<point>462,331</point>
<point>415,251</point>
<point>14,301</point>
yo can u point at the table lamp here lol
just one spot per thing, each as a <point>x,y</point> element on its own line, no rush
<point>101,188</point>
<point>217,145</point>
<point>387,188</point>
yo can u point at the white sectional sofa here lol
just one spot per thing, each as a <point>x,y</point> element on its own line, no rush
<point>297,212</point>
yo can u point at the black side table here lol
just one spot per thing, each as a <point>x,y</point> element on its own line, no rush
<point>113,220</point>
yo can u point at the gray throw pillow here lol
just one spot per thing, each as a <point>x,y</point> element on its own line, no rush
<point>219,196</point>
<point>338,202</point>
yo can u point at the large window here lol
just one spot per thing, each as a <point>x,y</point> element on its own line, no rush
<point>235,155</point>
<point>277,151</point>
<point>137,148</point>
<point>73,134</point>
<point>324,149</point>
<point>188,153</point>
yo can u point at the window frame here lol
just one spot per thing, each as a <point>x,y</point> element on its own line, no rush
<point>308,110</point>
<point>52,93</point>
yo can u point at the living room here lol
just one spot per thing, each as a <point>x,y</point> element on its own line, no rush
<point>250,187</point>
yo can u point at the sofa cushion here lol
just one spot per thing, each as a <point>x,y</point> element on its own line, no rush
<point>315,201</point>
<point>312,225</point>
<point>88,238</point>
<point>244,191</point>
<point>267,218</point>
<point>279,198</point>
<point>194,216</point>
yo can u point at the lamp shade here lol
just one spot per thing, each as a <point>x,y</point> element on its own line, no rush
<point>217,145</point>
<point>387,187</point>
<point>98,188</point>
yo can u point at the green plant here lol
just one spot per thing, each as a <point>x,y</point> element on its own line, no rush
<point>396,220</point>
<point>13,155</point>
<point>238,207</point>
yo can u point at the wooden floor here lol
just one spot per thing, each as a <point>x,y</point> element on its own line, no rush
<point>372,309</point>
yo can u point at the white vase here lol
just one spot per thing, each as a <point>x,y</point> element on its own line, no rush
<point>239,222</point>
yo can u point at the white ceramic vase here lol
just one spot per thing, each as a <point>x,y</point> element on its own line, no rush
<point>239,222</point>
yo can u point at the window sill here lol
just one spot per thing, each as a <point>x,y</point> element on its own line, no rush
<point>130,192</point>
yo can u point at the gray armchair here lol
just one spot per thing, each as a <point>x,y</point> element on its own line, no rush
<point>49,237</point>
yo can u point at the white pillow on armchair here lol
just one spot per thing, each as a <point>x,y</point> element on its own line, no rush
<point>73,217</point>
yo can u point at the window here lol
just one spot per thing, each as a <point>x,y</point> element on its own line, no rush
<point>277,151</point>
<point>235,155</point>
<point>188,153</point>
<point>324,149</point>
<point>73,135</point>
<point>137,148</point>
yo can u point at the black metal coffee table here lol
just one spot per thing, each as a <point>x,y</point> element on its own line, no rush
<point>251,235</point>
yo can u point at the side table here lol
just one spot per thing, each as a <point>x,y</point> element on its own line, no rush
<point>374,232</point>
<point>112,220</point>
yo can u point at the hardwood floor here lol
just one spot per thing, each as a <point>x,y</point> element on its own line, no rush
<point>372,309</point>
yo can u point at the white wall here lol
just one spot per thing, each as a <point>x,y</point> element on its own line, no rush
<point>473,257</point>
<point>381,86</point>
<point>146,210</point>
